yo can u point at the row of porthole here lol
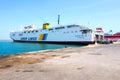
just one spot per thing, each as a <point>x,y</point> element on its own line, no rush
<point>49,30</point>
<point>71,32</point>
<point>30,31</point>
<point>36,31</point>
<point>52,31</point>
<point>26,32</point>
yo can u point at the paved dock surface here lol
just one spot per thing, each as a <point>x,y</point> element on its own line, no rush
<point>94,62</point>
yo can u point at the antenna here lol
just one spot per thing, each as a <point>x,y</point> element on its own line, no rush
<point>58,19</point>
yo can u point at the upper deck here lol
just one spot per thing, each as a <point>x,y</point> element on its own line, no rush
<point>31,28</point>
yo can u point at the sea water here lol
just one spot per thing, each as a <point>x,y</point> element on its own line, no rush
<point>8,47</point>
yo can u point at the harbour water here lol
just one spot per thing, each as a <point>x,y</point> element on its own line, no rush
<point>8,47</point>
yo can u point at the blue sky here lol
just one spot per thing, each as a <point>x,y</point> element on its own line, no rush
<point>15,14</point>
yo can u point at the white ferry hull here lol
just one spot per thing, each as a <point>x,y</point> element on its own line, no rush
<point>71,34</point>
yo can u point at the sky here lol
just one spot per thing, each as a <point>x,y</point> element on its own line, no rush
<point>15,14</point>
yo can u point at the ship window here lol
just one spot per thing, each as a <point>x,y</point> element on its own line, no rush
<point>70,26</point>
<point>28,31</point>
<point>90,30</point>
<point>84,31</point>
<point>32,31</point>
<point>20,34</point>
<point>36,30</point>
<point>50,29</point>
<point>60,28</point>
<point>24,31</point>
<point>13,34</point>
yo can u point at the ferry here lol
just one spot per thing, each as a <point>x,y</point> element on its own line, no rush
<point>69,34</point>
<point>112,37</point>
